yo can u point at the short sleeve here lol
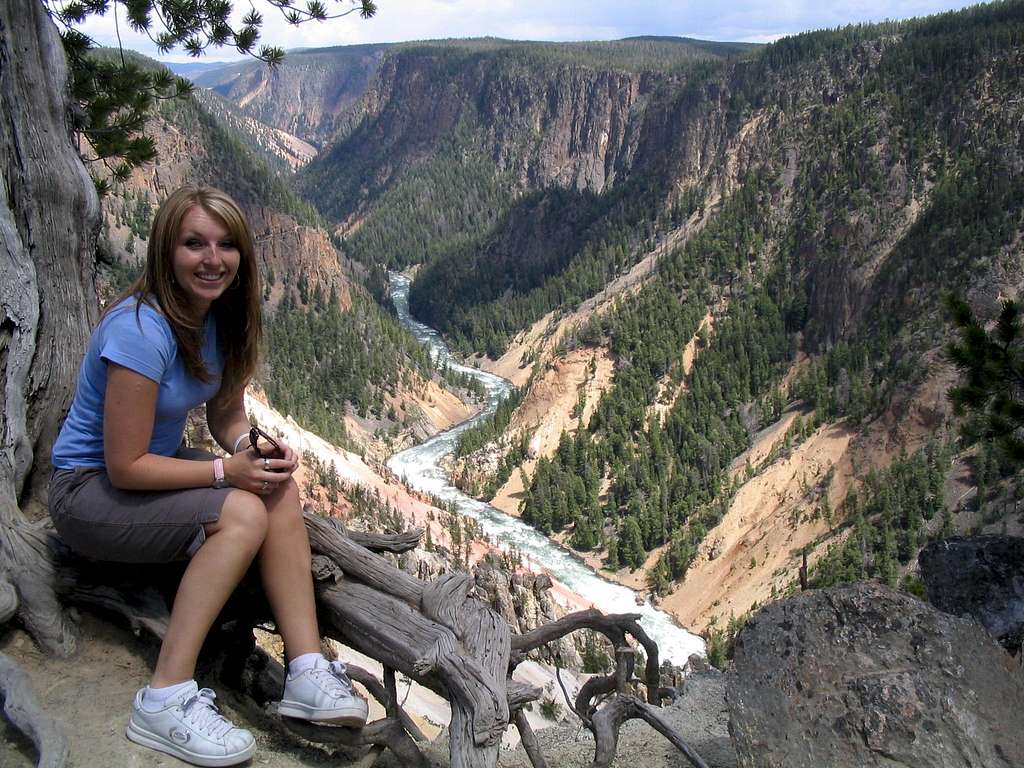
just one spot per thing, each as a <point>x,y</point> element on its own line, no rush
<point>140,341</point>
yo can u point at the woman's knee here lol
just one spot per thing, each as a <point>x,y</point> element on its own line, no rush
<point>243,516</point>
<point>286,502</point>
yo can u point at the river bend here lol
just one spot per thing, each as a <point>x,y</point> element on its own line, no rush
<point>422,470</point>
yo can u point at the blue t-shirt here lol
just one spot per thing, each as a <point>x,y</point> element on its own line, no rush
<point>144,343</point>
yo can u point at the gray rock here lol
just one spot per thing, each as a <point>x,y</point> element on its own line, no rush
<point>523,600</point>
<point>983,577</point>
<point>698,663</point>
<point>865,676</point>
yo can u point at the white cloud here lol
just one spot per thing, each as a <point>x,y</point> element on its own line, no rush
<point>397,20</point>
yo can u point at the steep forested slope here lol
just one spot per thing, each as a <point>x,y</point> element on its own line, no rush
<point>882,170</point>
<point>448,135</point>
<point>320,85</point>
<point>790,216</point>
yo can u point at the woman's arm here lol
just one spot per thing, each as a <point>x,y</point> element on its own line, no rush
<point>129,413</point>
<point>228,423</point>
<point>128,417</point>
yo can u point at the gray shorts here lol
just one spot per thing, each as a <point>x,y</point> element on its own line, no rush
<point>106,523</point>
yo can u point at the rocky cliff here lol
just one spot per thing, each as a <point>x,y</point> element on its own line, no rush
<point>865,676</point>
<point>758,244</point>
<point>309,96</point>
<point>810,175</point>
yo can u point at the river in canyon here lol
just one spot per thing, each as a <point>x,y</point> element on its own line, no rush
<point>421,466</point>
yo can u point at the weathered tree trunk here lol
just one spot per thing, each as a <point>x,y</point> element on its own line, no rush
<point>437,633</point>
<point>432,632</point>
<point>49,215</point>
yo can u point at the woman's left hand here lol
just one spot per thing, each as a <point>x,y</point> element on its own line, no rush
<point>288,454</point>
<point>281,473</point>
<point>259,475</point>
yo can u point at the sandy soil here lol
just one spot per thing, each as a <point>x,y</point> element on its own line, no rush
<point>763,442</point>
<point>756,548</point>
<point>537,341</point>
<point>509,496</point>
<point>909,426</point>
<point>296,151</point>
<point>767,523</point>
<point>558,389</point>
<point>426,409</point>
<point>91,696</point>
<point>669,392</point>
<point>442,408</point>
<point>546,412</point>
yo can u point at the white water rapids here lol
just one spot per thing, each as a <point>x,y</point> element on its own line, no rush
<point>420,466</point>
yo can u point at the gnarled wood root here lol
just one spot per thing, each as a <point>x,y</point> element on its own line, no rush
<point>23,711</point>
<point>605,721</point>
<point>386,733</point>
<point>438,634</point>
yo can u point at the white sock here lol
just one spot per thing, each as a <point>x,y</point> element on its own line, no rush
<point>300,664</point>
<point>153,699</point>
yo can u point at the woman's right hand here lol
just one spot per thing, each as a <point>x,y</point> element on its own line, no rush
<point>249,472</point>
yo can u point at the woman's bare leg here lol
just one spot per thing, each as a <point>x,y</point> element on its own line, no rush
<point>211,576</point>
<point>285,561</point>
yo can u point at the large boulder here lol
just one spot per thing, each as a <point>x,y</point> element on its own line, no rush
<point>865,676</point>
<point>983,577</point>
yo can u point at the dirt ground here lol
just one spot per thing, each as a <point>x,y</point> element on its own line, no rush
<point>91,693</point>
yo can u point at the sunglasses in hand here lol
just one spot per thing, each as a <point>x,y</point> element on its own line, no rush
<point>255,434</point>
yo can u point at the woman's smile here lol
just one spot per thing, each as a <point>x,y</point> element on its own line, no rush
<point>206,259</point>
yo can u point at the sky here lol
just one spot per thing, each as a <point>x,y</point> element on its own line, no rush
<point>757,21</point>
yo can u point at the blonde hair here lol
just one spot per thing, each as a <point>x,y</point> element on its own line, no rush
<point>238,310</point>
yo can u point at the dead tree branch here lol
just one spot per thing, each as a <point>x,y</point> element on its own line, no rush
<point>438,633</point>
<point>387,733</point>
<point>387,698</point>
<point>609,719</point>
<point>397,543</point>
<point>23,711</point>
<point>606,720</point>
<point>613,626</point>
<point>529,739</point>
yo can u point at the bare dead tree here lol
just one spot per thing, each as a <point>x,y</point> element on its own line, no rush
<point>49,216</point>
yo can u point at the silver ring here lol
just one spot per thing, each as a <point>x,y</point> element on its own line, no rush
<point>266,465</point>
<point>266,485</point>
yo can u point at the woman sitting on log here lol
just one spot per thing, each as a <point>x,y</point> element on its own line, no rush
<point>125,489</point>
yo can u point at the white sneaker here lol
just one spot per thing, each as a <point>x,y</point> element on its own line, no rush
<point>190,727</point>
<point>323,694</point>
